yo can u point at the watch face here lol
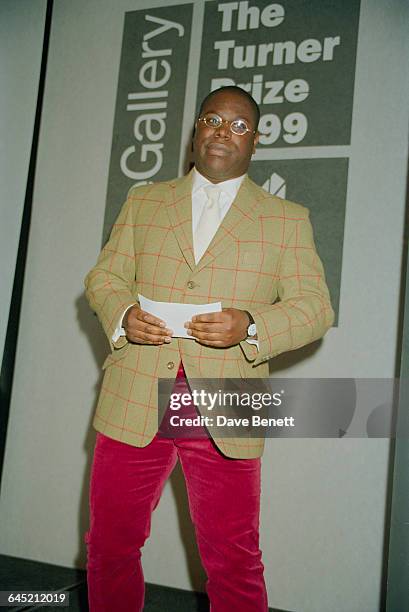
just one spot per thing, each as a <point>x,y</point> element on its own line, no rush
<point>252,330</point>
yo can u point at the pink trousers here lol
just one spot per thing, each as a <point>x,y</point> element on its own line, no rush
<point>224,502</point>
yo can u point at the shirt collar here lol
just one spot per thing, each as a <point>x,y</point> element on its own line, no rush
<point>230,187</point>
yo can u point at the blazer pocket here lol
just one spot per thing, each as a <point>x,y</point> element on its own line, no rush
<point>115,356</point>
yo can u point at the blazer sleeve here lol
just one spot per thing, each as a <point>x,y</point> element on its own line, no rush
<point>303,312</point>
<point>109,285</point>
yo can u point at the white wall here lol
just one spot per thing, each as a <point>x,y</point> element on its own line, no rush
<point>323,504</point>
<point>21,45</point>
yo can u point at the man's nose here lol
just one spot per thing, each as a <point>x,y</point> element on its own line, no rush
<point>224,130</point>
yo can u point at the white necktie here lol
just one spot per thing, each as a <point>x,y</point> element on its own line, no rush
<point>208,223</point>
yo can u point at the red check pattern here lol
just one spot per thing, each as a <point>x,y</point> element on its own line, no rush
<point>261,259</point>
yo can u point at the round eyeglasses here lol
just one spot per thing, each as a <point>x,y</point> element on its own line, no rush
<point>237,126</point>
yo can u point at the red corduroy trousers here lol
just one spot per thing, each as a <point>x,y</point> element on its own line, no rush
<point>224,502</point>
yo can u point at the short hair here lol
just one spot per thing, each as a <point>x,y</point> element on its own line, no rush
<point>237,90</point>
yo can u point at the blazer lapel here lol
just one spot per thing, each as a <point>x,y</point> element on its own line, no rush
<point>244,210</point>
<point>179,209</point>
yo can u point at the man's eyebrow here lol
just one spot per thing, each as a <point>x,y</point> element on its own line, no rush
<point>235,118</point>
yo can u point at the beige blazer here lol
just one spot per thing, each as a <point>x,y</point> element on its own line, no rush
<point>262,259</point>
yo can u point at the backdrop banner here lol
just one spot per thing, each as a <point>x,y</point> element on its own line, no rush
<point>296,58</point>
<point>321,185</point>
<point>150,100</point>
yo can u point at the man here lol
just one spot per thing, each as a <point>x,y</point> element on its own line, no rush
<point>179,241</point>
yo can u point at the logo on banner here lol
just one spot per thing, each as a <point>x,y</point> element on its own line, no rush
<point>275,185</point>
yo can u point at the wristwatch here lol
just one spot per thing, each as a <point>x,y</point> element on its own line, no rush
<point>252,329</point>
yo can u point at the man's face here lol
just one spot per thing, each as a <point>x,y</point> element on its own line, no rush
<point>218,153</point>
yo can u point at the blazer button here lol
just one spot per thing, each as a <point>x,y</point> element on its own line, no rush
<point>191,285</point>
<point>170,365</point>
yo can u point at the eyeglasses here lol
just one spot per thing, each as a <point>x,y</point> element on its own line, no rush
<point>237,126</point>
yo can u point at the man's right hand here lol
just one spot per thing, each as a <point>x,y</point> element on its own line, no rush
<point>143,328</point>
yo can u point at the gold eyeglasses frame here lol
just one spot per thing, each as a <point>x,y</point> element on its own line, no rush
<point>222,121</point>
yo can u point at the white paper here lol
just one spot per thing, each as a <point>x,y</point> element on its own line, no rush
<point>176,314</point>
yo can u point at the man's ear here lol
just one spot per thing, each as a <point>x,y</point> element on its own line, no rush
<point>194,129</point>
<point>255,141</point>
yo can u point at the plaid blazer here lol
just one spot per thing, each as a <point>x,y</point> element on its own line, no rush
<point>262,259</point>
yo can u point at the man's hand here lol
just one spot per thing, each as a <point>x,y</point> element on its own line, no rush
<point>219,329</point>
<point>143,328</point>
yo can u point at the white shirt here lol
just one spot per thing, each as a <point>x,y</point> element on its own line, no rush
<point>228,193</point>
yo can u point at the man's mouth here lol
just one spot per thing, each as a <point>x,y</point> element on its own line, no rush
<point>217,148</point>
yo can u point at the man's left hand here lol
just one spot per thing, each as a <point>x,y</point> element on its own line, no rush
<point>219,329</point>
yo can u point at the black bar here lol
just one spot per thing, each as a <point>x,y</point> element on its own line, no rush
<point>9,354</point>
